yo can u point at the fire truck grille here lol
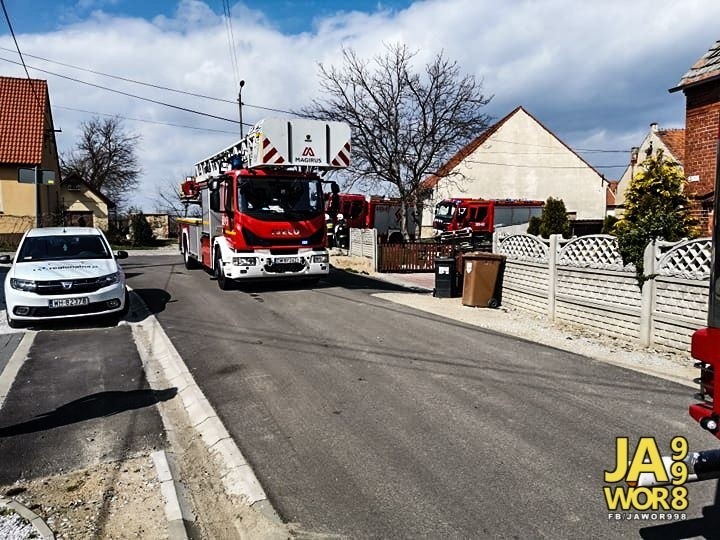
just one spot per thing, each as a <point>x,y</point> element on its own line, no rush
<point>284,268</point>
<point>252,239</point>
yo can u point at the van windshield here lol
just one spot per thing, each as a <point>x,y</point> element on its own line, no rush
<point>65,247</point>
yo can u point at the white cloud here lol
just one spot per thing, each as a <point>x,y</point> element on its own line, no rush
<point>596,72</point>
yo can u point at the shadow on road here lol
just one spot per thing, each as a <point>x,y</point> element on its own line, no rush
<point>99,405</point>
<point>350,280</point>
<point>707,526</point>
<point>154,299</point>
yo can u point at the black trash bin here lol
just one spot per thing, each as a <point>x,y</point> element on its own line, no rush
<point>445,277</point>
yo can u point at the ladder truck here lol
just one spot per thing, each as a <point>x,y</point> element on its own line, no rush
<point>262,205</point>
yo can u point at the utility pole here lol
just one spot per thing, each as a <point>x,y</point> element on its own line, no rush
<point>38,209</point>
<point>242,83</point>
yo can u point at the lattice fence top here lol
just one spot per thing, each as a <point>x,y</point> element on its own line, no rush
<point>690,259</point>
<point>593,251</point>
<point>524,247</point>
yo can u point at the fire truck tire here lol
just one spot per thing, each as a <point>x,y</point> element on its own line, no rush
<point>190,263</point>
<point>225,283</point>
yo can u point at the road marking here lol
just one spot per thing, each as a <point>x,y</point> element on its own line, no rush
<point>7,377</point>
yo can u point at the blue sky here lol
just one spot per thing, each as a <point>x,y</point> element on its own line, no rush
<point>289,16</point>
<point>596,73</point>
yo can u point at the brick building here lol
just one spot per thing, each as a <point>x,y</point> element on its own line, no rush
<point>701,86</point>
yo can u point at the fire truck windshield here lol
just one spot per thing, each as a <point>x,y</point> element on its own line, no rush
<point>444,211</point>
<point>280,198</point>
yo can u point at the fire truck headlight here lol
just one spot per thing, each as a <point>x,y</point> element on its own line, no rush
<point>324,258</point>
<point>244,261</point>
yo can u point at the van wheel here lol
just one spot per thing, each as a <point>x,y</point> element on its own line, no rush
<point>493,303</point>
<point>13,323</point>
<point>224,282</point>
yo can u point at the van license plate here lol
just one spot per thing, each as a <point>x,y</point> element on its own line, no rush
<point>287,260</point>
<point>69,302</point>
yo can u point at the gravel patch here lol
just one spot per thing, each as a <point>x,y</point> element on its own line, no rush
<point>15,527</point>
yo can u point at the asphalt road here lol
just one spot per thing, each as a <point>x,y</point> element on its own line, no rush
<point>80,398</point>
<point>363,418</point>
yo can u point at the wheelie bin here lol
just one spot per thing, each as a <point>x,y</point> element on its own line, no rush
<point>482,279</point>
<point>445,277</point>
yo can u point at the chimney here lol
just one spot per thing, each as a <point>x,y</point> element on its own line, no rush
<point>654,127</point>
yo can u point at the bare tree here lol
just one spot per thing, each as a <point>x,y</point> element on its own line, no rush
<point>168,200</point>
<point>405,125</point>
<point>105,157</point>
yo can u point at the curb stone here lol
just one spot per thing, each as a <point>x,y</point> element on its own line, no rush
<point>36,521</point>
<point>168,488</point>
<point>237,476</point>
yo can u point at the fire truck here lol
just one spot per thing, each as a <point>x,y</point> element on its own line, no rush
<point>261,202</point>
<point>374,212</point>
<point>480,217</point>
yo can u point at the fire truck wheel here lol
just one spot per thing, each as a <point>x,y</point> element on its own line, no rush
<point>224,283</point>
<point>190,263</point>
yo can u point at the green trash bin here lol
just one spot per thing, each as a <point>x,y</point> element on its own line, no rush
<point>482,273</point>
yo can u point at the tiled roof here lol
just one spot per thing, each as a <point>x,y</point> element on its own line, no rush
<point>431,181</point>
<point>22,120</point>
<point>674,139</point>
<point>707,67</point>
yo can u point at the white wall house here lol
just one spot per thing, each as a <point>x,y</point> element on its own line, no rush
<point>670,141</point>
<point>519,158</point>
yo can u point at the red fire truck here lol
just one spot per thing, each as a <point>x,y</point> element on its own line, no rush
<point>482,216</point>
<point>374,212</point>
<point>261,202</point>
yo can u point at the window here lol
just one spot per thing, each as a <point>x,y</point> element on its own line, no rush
<point>55,248</point>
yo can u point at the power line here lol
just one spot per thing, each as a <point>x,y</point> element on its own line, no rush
<point>551,146</point>
<point>185,109</point>
<point>126,79</point>
<point>17,47</point>
<point>143,83</point>
<point>143,120</point>
<point>545,166</point>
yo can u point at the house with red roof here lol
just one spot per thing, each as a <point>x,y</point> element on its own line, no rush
<point>519,158</point>
<point>701,86</point>
<point>27,140</point>
<point>672,144</point>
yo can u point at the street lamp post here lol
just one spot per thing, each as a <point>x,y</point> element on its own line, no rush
<point>242,83</point>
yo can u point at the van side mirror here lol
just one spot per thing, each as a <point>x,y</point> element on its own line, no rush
<point>5,259</point>
<point>121,255</point>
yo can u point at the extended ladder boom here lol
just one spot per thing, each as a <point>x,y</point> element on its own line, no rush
<point>274,142</point>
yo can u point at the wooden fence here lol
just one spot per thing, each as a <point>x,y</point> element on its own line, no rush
<point>411,257</point>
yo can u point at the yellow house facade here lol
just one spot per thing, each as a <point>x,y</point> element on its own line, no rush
<point>27,140</point>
